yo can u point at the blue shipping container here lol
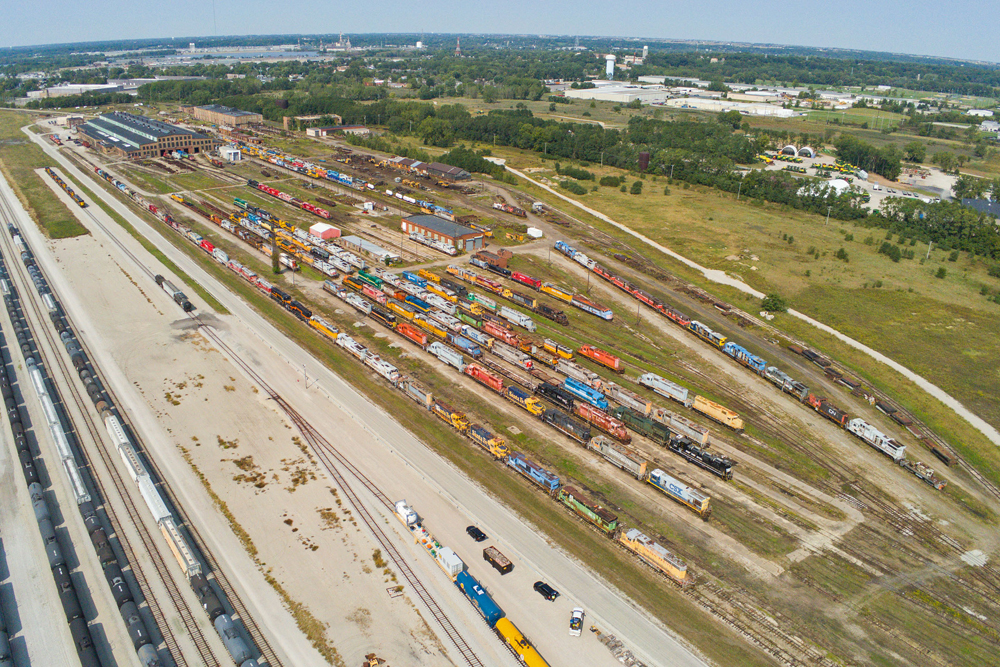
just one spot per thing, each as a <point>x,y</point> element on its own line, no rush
<point>490,610</point>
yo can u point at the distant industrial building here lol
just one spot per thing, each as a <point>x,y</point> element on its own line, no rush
<point>129,136</point>
<point>621,93</point>
<point>446,171</point>
<point>220,115</point>
<point>439,229</point>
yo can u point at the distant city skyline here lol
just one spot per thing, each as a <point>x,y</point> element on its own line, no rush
<point>958,29</point>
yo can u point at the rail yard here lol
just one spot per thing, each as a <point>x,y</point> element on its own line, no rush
<point>650,441</point>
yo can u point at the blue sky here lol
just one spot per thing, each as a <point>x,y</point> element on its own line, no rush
<point>952,28</point>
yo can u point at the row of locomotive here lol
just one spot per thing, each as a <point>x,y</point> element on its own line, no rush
<point>858,427</point>
<point>72,194</point>
<point>576,394</point>
<point>710,409</point>
<point>552,485</point>
<point>139,473</point>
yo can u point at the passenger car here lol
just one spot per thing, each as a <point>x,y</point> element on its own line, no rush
<point>475,533</point>
<point>546,591</point>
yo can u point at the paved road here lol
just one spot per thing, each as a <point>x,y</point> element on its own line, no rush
<point>610,610</point>
<point>723,278</point>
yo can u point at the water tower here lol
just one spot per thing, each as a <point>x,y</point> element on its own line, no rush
<point>609,66</point>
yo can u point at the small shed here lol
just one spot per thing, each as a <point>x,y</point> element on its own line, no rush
<point>324,231</point>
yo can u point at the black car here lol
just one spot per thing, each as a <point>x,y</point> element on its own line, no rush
<point>476,534</point>
<point>546,591</point>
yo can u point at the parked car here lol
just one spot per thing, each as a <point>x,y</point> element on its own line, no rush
<point>546,591</point>
<point>476,534</point>
<point>576,622</point>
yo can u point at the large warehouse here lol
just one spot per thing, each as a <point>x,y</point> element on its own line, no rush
<point>125,135</point>
<point>439,229</point>
<point>220,115</point>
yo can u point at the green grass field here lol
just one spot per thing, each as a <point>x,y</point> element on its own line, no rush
<point>19,157</point>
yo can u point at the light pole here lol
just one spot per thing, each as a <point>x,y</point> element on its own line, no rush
<point>828,209</point>
<point>739,189</point>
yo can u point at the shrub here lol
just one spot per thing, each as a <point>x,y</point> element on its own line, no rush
<point>637,188</point>
<point>624,188</point>
<point>791,240</point>
<point>842,254</point>
<point>610,181</point>
<point>774,303</point>
<point>574,172</point>
<point>994,271</point>
<point>941,273</point>
<point>891,251</point>
<point>573,187</point>
<point>849,237</point>
<point>666,189</point>
<point>811,251</point>
<point>953,257</point>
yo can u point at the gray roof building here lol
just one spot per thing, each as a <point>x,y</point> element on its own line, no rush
<point>440,229</point>
<point>138,136</point>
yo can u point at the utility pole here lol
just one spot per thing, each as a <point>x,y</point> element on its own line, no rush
<point>929,246</point>
<point>739,190</point>
<point>671,172</point>
<point>638,305</point>
<point>828,209</point>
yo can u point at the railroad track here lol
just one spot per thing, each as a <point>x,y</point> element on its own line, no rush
<point>326,453</point>
<point>207,557</point>
<point>333,460</point>
<point>135,515</point>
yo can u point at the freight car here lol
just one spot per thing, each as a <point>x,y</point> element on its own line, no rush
<point>493,444</point>
<point>526,653</point>
<point>571,427</point>
<point>716,412</point>
<point>720,466</point>
<point>665,388</point>
<point>745,357</point>
<point>450,416</point>
<point>701,331</point>
<point>484,377</point>
<point>178,296</point>
<point>447,355</point>
<point>586,393</point>
<point>524,279</point>
<point>479,598</point>
<point>658,433</point>
<point>875,438</point>
<point>592,307</point>
<point>555,394</point>
<point>681,492</point>
<point>603,421</point>
<point>533,471</point>
<point>558,293</point>
<point>558,349</point>
<point>525,400</point>
<point>621,456</point>
<point>557,316</point>
<point>654,555</point>
<point>464,345</point>
<point>605,521</point>
<point>602,357</point>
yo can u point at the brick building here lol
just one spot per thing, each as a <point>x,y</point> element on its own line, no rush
<point>439,229</point>
<point>220,115</point>
<point>125,135</point>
